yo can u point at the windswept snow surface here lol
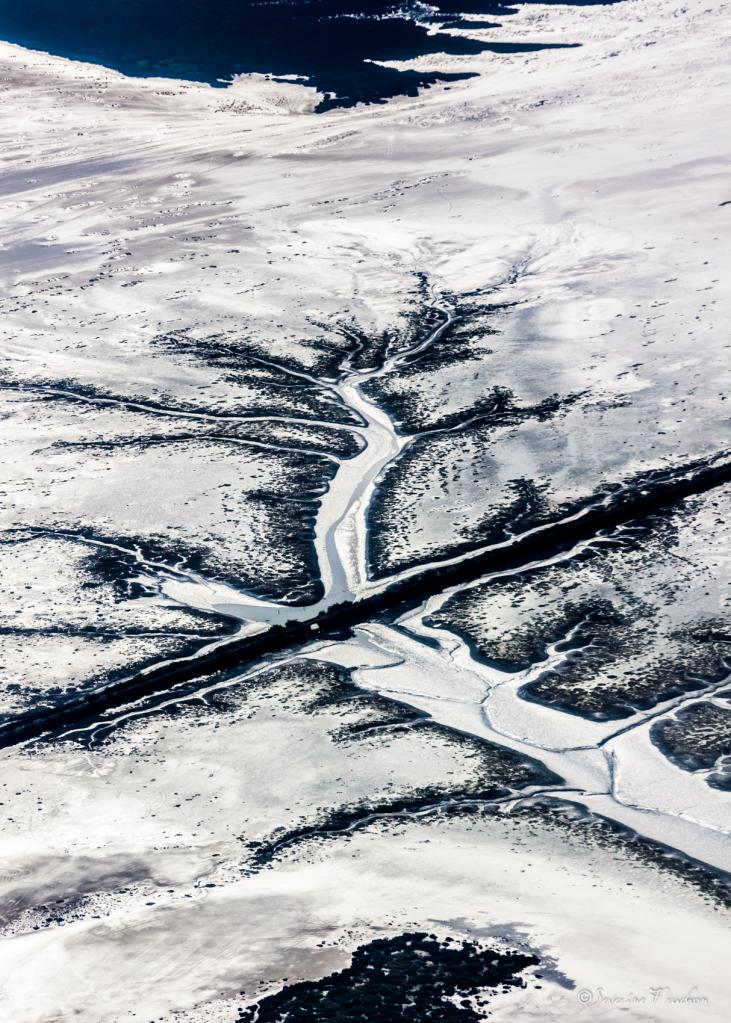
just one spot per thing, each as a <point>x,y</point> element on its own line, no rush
<point>256,361</point>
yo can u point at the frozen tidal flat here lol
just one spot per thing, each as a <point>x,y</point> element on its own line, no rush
<point>259,362</point>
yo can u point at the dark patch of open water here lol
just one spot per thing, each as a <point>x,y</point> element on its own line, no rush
<point>330,42</point>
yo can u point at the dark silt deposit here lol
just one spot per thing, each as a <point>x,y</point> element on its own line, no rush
<point>653,493</point>
<point>701,664</point>
<point>102,609</point>
<point>408,977</point>
<point>626,624</point>
<point>698,738</point>
<point>328,42</point>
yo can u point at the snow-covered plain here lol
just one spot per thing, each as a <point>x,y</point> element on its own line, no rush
<point>255,361</point>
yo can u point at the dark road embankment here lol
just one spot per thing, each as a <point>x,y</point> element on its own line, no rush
<point>655,494</point>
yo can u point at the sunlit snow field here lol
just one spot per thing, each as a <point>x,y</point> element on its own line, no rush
<point>282,334</point>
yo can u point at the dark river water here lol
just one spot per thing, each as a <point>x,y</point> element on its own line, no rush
<point>329,42</point>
